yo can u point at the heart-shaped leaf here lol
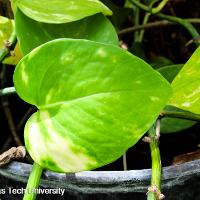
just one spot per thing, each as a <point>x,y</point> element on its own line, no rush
<point>95,101</point>
<point>186,85</point>
<point>60,11</point>
<point>31,33</point>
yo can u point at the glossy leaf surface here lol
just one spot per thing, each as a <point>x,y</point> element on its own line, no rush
<point>186,85</point>
<point>171,125</point>
<point>60,11</point>
<point>94,100</point>
<point>31,33</point>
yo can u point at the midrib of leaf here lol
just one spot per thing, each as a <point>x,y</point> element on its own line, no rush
<point>44,107</point>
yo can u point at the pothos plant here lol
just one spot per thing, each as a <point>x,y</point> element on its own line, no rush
<point>94,99</point>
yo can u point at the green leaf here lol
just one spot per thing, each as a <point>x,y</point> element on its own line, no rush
<point>160,61</point>
<point>172,125</point>
<point>170,71</point>
<point>95,101</point>
<point>60,11</point>
<point>6,28</point>
<point>31,33</point>
<point>186,85</point>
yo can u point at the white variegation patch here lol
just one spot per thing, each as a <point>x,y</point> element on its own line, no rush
<point>101,52</point>
<point>186,104</point>
<point>69,157</point>
<point>24,77</point>
<point>154,98</point>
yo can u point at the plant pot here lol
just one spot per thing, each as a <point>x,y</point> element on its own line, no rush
<point>179,182</point>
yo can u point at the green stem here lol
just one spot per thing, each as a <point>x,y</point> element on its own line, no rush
<point>33,182</point>
<point>145,20</point>
<point>149,9</point>
<point>3,53</point>
<point>155,24</point>
<point>181,115</point>
<point>136,23</point>
<point>188,26</point>
<point>7,91</point>
<point>156,163</point>
<point>6,49</point>
<point>140,5</point>
<point>159,7</point>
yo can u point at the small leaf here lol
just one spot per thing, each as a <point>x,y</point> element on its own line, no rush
<point>186,85</point>
<point>6,28</point>
<point>95,101</point>
<point>31,33</point>
<point>60,11</point>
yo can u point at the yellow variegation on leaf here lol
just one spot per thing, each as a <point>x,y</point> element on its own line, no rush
<point>186,85</point>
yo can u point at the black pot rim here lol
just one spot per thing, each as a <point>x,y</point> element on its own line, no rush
<point>105,181</point>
